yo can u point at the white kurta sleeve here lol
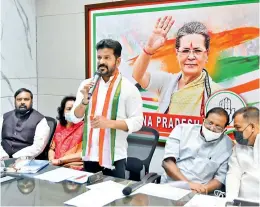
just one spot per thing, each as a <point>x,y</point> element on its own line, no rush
<point>233,176</point>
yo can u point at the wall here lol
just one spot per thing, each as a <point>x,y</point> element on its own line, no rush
<point>60,50</point>
<point>18,50</point>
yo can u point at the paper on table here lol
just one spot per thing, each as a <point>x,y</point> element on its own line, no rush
<point>99,195</point>
<point>163,191</point>
<point>80,178</point>
<point>60,174</point>
<point>206,200</point>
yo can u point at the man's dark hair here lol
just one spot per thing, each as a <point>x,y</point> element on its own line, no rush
<point>193,28</point>
<point>250,113</point>
<point>61,108</point>
<point>111,44</point>
<point>220,111</point>
<point>23,90</point>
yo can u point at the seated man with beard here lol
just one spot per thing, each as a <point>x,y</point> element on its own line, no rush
<point>24,131</point>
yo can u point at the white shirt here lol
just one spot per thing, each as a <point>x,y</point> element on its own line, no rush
<point>199,161</point>
<point>243,177</point>
<point>40,141</point>
<point>129,109</point>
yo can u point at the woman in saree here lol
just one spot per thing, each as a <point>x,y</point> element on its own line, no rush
<point>66,145</point>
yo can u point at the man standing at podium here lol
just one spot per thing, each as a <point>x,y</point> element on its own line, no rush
<point>113,112</point>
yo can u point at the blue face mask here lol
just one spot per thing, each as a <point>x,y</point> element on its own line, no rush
<point>68,117</point>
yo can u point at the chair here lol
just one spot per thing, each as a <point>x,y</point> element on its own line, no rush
<point>141,147</point>
<point>52,124</point>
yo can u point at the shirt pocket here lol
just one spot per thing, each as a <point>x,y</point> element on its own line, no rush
<point>213,163</point>
<point>207,167</point>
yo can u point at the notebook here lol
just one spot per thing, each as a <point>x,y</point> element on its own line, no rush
<point>31,166</point>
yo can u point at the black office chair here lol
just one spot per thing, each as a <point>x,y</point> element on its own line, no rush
<point>52,124</point>
<point>141,147</point>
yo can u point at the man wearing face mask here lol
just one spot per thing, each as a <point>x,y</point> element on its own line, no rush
<point>198,154</point>
<point>24,131</point>
<point>243,177</point>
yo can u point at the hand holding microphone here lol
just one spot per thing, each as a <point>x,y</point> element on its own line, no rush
<point>89,88</point>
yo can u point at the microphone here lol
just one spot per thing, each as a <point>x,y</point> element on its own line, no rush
<point>96,78</point>
<point>148,178</point>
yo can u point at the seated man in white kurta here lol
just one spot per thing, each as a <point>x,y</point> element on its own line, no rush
<point>198,154</point>
<point>243,177</point>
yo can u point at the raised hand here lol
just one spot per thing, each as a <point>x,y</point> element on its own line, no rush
<point>85,91</point>
<point>159,34</point>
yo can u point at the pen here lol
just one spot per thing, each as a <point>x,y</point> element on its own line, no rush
<point>80,177</point>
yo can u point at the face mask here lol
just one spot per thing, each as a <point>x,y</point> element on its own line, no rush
<point>67,117</point>
<point>209,135</point>
<point>240,138</point>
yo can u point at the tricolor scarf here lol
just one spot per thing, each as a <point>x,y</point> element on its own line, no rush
<point>107,136</point>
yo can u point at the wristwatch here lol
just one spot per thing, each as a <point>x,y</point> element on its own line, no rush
<point>82,102</point>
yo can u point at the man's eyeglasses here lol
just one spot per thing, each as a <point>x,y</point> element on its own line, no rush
<point>187,52</point>
<point>210,124</point>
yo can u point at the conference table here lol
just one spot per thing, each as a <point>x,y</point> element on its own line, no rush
<point>24,190</point>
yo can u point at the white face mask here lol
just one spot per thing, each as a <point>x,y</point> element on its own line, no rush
<point>67,117</point>
<point>210,135</point>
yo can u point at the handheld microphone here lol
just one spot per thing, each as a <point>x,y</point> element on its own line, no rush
<point>96,78</point>
<point>148,178</point>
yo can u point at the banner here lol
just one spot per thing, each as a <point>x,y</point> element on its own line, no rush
<point>232,58</point>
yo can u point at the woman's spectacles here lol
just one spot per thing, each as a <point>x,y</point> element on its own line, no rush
<point>210,124</point>
<point>187,52</point>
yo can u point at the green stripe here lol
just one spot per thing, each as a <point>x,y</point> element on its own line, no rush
<point>85,132</point>
<point>113,117</point>
<point>231,67</point>
<point>150,106</point>
<point>157,8</point>
<point>252,104</point>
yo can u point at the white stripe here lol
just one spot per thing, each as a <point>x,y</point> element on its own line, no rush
<point>251,96</point>
<point>148,110</point>
<point>236,81</point>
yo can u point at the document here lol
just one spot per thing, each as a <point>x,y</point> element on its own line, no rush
<point>81,178</point>
<point>60,174</point>
<point>32,166</point>
<point>99,195</point>
<point>163,191</point>
<point>206,200</point>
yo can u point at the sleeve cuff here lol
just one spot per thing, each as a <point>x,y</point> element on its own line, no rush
<point>74,119</point>
<point>129,125</point>
<point>220,179</point>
